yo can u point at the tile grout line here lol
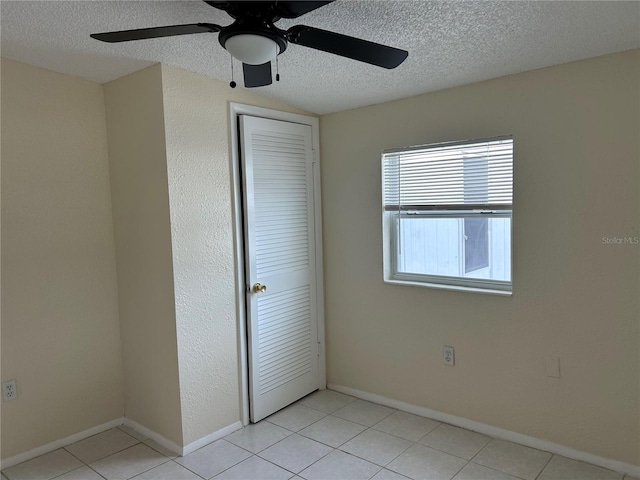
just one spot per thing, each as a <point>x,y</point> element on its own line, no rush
<point>188,469</point>
<point>101,476</point>
<point>346,453</point>
<point>481,450</point>
<point>545,465</point>
<point>291,432</point>
<point>138,442</point>
<point>288,433</point>
<point>416,442</point>
<point>120,427</point>
<point>460,469</point>
<point>149,469</point>
<point>101,458</point>
<point>294,473</point>
<point>371,428</point>
<point>83,465</point>
<point>491,468</point>
<point>319,441</point>
<point>222,471</point>
<point>287,470</point>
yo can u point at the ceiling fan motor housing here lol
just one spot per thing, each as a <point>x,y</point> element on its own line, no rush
<point>253,27</point>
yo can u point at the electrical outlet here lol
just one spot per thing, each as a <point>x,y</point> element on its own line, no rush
<point>447,356</point>
<point>9,390</point>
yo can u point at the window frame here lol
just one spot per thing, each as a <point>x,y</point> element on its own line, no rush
<point>390,221</point>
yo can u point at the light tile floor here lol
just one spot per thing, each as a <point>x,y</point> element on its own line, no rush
<point>326,435</point>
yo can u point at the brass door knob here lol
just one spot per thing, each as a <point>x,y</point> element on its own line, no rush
<point>259,288</point>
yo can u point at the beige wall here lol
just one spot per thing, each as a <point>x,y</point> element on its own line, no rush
<point>196,112</point>
<point>60,332</point>
<point>140,197</point>
<point>575,129</point>
<point>576,138</point>
<point>167,135</point>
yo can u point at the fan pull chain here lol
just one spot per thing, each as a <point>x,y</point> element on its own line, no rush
<point>233,83</point>
<point>277,71</point>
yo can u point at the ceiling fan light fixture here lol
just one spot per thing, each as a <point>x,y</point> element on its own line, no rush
<point>252,49</point>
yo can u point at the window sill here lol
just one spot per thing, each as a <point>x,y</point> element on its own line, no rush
<point>441,286</point>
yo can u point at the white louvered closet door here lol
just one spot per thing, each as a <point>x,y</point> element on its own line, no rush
<point>277,164</point>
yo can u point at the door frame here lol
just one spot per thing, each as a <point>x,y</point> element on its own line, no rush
<point>235,110</point>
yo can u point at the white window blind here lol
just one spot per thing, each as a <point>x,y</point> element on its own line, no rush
<point>470,175</point>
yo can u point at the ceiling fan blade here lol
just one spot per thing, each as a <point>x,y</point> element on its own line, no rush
<point>155,32</point>
<point>346,46</point>
<point>220,4</point>
<point>295,9</point>
<point>273,9</point>
<point>257,75</point>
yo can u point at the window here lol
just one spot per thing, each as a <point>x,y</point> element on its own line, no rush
<point>447,212</point>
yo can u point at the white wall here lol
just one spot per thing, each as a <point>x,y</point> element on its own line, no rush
<point>576,167</point>
<point>60,331</point>
<point>196,112</point>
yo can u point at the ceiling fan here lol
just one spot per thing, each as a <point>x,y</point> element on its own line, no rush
<point>254,40</point>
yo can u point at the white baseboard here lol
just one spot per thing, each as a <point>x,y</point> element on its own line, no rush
<point>187,449</point>
<point>63,442</point>
<point>212,437</point>
<point>496,432</point>
<point>165,442</point>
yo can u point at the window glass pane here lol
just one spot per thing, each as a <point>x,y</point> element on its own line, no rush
<point>430,246</point>
<point>467,247</point>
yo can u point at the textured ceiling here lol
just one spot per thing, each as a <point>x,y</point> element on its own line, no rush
<point>450,43</point>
